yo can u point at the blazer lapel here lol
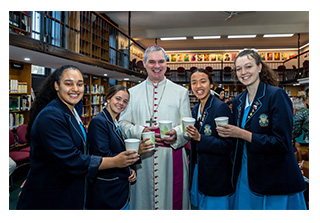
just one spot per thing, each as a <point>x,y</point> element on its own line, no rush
<point>257,104</point>
<point>114,128</point>
<point>240,108</point>
<point>73,121</point>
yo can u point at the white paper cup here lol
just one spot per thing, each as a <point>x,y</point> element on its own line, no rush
<point>221,120</point>
<point>132,144</point>
<point>152,138</point>
<point>165,126</point>
<point>186,121</point>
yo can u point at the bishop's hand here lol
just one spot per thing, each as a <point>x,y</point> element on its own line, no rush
<point>172,137</point>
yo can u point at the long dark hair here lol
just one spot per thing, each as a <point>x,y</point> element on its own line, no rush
<point>266,75</point>
<point>46,94</point>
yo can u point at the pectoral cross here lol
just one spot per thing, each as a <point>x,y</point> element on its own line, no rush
<point>151,121</point>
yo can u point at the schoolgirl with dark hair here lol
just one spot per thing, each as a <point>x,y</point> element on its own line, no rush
<point>210,156</point>
<point>59,166</point>
<point>265,172</point>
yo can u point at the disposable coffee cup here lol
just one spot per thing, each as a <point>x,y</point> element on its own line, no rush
<point>221,120</point>
<point>132,144</point>
<point>186,121</point>
<point>165,126</point>
<point>152,138</point>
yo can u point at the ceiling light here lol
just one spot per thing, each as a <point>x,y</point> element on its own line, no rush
<point>126,79</point>
<point>206,37</point>
<point>241,36</point>
<point>278,35</point>
<point>173,38</point>
<point>105,75</point>
<point>27,59</point>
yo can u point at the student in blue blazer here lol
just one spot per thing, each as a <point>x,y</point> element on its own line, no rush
<point>59,166</point>
<point>210,162</point>
<point>111,188</point>
<point>265,171</point>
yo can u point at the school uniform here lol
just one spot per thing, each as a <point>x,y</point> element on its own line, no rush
<point>110,190</point>
<point>211,166</point>
<point>58,164</point>
<point>265,172</point>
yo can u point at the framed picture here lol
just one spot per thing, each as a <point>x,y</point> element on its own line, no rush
<point>220,57</point>
<point>173,58</point>
<point>269,56</point>
<point>186,58</point>
<point>180,57</point>
<point>233,56</point>
<point>193,57</point>
<point>227,57</point>
<point>277,56</point>
<point>206,57</point>
<point>263,56</point>
<point>199,57</point>
<point>213,57</point>
<point>284,56</point>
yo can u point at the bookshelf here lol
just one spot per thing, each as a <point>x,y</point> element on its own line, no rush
<point>19,93</point>
<point>94,36</point>
<point>20,22</point>
<point>96,88</point>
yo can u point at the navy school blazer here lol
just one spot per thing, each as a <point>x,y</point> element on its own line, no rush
<point>110,190</point>
<point>212,152</point>
<point>272,166</point>
<point>58,164</point>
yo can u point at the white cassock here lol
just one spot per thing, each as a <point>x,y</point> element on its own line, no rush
<point>162,177</point>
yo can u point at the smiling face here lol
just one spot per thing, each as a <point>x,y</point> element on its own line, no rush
<point>200,85</point>
<point>155,65</point>
<point>71,87</point>
<point>117,103</point>
<point>248,71</point>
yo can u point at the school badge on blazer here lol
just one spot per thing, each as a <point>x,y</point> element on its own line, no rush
<point>207,130</point>
<point>263,120</point>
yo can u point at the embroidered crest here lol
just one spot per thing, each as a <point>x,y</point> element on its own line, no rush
<point>207,130</point>
<point>263,120</point>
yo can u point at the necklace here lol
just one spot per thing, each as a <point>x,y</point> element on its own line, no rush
<point>151,121</point>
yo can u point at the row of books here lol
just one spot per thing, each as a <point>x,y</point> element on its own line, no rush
<point>16,86</point>
<point>97,89</point>
<point>19,103</point>
<point>95,109</point>
<point>15,120</point>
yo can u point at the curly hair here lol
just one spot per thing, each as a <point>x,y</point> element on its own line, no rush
<point>46,94</point>
<point>266,75</point>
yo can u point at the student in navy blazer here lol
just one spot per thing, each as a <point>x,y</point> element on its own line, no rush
<point>111,188</point>
<point>265,171</point>
<point>59,166</point>
<point>210,162</point>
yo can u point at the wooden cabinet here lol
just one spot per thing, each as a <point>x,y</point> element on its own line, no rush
<point>19,93</point>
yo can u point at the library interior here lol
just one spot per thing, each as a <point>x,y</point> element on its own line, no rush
<point>108,47</point>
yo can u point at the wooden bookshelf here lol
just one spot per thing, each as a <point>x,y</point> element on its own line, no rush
<point>96,88</point>
<point>19,93</point>
<point>94,36</point>
<point>20,22</point>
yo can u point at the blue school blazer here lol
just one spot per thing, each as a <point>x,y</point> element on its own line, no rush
<point>111,188</point>
<point>212,153</point>
<point>272,166</point>
<point>58,165</point>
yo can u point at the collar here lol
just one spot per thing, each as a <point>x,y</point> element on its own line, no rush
<point>156,84</point>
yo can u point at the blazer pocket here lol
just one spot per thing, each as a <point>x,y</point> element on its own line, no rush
<point>108,180</point>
